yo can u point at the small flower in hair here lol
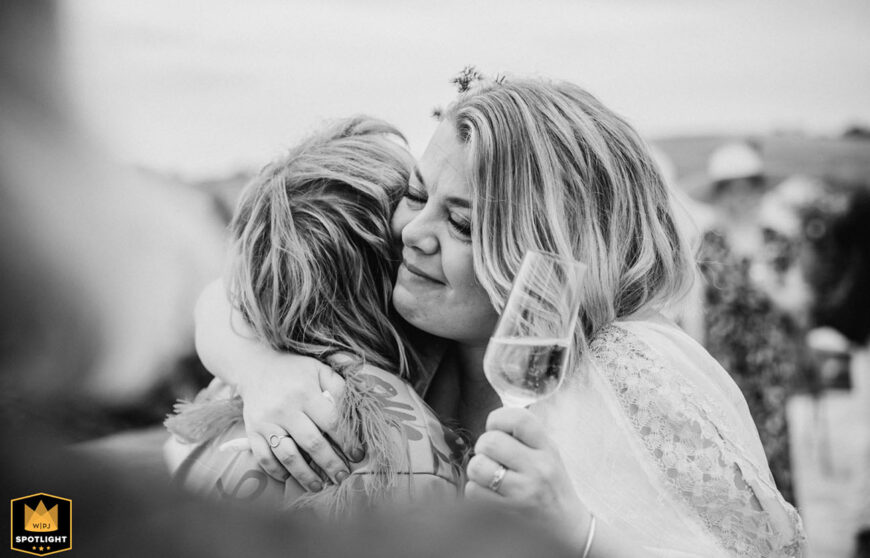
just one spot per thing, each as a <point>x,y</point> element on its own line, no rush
<point>466,78</point>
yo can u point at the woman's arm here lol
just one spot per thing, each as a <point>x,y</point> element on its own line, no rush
<point>283,393</point>
<point>224,342</point>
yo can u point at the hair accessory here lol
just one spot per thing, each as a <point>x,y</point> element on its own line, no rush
<point>589,536</point>
<point>497,478</point>
<point>466,77</point>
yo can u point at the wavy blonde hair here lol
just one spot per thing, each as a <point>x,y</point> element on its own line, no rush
<point>553,169</point>
<point>312,265</point>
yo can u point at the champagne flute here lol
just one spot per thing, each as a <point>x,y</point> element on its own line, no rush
<point>528,353</point>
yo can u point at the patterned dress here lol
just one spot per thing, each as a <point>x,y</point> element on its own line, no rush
<point>758,344</point>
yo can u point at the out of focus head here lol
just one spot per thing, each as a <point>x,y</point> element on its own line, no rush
<point>553,169</point>
<point>312,260</point>
<point>835,258</point>
<point>736,174</point>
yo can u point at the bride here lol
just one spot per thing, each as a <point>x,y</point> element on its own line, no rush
<point>648,448</point>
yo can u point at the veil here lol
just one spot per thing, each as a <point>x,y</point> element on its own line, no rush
<point>660,445</point>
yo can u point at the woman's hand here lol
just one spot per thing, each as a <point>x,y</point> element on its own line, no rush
<point>289,404</point>
<point>284,395</point>
<point>535,480</point>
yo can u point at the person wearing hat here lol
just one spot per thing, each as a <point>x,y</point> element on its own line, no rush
<point>742,327</point>
<point>737,184</point>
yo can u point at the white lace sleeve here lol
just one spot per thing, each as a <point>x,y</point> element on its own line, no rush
<point>699,459</point>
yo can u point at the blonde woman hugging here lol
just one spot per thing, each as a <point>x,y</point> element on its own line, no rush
<point>648,448</point>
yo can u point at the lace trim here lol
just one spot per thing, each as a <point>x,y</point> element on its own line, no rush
<point>685,434</point>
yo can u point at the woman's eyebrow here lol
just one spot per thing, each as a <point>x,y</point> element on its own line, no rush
<point>461,203</point>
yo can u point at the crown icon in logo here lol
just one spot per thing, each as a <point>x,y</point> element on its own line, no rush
<point>40,519</point>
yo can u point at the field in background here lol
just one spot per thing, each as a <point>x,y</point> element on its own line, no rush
<point>842,158</point>
<point>784,155</point>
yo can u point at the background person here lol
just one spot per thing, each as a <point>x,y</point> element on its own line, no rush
<point>756,341</point>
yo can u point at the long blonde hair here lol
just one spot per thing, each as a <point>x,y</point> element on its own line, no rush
<point>312,262</point>
<point>553,169</point>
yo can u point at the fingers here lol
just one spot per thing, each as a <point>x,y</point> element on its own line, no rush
<point>505,449</point>
<point>330,381</point>
<point>288,454</point>
<point>265,458</point>
<point>309,438</point>
<point>323,412</point>
<point>522,424</point>
<point>482,471</point>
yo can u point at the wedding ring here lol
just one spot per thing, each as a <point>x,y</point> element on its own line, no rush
<point>275,440</point>
<point>497,477</point>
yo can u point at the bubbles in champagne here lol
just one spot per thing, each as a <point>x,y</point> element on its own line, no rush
<point>523,370</point>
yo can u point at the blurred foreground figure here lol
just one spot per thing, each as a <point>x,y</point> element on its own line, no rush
<point>126,255</point>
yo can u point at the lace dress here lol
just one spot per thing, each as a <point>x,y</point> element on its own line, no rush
<point>661,446</point>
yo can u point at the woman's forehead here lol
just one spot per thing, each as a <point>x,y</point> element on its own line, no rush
<point>443,166</point>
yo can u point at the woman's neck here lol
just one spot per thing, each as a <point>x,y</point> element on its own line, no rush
<point>476,397</point>
<point>471,361</point>
<point>459,391</point>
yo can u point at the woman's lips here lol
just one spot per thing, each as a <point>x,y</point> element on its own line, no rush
<point>417,272</point>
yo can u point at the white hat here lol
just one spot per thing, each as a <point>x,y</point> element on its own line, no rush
<point>734,160</point>
<point>827,339</point>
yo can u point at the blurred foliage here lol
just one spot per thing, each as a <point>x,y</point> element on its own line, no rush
<point>836,260</point>
<point>758,344</point>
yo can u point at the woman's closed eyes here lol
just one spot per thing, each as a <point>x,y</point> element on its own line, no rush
<point>416,199</point>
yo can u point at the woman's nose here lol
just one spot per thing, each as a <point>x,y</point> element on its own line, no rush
<point>418,233</point>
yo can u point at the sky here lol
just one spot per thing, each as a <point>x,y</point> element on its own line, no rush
<point>203,88</point>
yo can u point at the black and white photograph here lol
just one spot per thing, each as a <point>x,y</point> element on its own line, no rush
<point>569,278</point>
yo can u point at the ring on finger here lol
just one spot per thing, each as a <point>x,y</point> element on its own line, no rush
<point>275,440</point>
<point>497,478</point>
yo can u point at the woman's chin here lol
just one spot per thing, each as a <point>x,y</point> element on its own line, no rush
<point>406,305</point>
<point>412,307</point>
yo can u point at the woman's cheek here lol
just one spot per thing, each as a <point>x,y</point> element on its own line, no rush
<point>476,311</point>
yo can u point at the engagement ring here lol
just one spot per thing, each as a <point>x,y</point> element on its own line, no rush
<point>497,477</point>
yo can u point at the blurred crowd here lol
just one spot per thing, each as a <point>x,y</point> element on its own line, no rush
<point>783,304</point>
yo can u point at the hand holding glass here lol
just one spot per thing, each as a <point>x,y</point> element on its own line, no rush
<point>528,353</point>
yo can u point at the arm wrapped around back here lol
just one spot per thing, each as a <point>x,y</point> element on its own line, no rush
<point>409,456</point>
